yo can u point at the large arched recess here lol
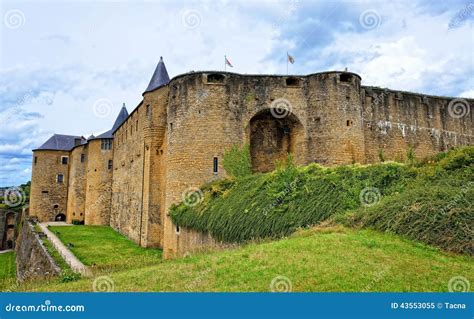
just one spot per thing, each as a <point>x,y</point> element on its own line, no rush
<point>272,136</point>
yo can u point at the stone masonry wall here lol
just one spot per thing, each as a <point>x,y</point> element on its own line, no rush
<point>32,258</point>
<point>48,198</point>
<point>77,184</point>
<point>396,121</point>
<point>127,184</point>
<point>98,184</point>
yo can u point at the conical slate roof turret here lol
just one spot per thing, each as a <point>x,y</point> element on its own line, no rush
<point>120,119</point>
<point>159,78</point>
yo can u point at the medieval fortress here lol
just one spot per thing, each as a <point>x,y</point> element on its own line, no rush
<point>174,141</point>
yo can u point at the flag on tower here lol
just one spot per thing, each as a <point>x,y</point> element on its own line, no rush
<point>227,62</point>
<point>290,58</point>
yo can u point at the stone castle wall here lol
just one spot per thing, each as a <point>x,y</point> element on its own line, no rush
<point>76,200</point>
<point>32,259</point>
<point>98,184</point>
<point>395,121</point>
<point>48,198</point>
<point>127,184</point>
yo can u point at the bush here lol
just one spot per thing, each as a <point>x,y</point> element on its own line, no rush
<point>429,203</point>
<point>275,204</point>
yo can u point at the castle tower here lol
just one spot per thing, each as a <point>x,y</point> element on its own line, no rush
<point>138,185</point>
<point>99,170</point>
<point>50,176</point>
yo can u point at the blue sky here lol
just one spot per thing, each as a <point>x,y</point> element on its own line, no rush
<point>67,67</point>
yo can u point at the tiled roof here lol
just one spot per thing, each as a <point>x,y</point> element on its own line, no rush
<point>159,78</point>
<point>59,142</point>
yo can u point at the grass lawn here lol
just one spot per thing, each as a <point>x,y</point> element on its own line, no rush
<point>318,259</point>
<point>7,269</point>
<point>103,249</point>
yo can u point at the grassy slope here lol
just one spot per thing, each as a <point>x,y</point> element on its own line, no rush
<point>325,259</point>
<point>430,202</point>
<point>103,249</point>
<point>7,260</point>
<point>7,269</point>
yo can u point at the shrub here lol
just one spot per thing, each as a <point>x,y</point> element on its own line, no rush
<point>429,203</point>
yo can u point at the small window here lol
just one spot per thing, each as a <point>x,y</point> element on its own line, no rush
<point>136,126</point>
<point>106,144</point>
<point>216,165</point>
<point>178,230</point>
<point>60,178</point>
<point>292,82</point>
<point>148,110</point>
<point>36,159</point>
<point>171,126</point>
<point>83,158</point>
<point>44,192</point>
<point>64,160</point>
<point>345,77</point>
<point>349,123</point>
<point>110,164</point>
<point>56,206</point>
<point>215,78</point>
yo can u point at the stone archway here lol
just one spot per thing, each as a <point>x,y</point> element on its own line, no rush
<point>272,137</point>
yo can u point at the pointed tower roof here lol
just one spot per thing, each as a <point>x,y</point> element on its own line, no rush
<point>120,118</point>
<point>159,78</point>
<point>123,114</point>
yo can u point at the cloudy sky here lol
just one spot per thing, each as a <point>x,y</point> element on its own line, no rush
<point>67,66</point>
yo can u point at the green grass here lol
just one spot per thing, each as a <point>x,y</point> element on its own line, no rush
<point>7,269</point>
<point>319,259</point>
<point>429,202</point>
<point>103,249</point>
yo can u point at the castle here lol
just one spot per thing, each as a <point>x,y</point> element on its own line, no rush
<point>174,141</point>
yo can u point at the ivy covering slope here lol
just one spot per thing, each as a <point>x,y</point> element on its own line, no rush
<point>430,202</point>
